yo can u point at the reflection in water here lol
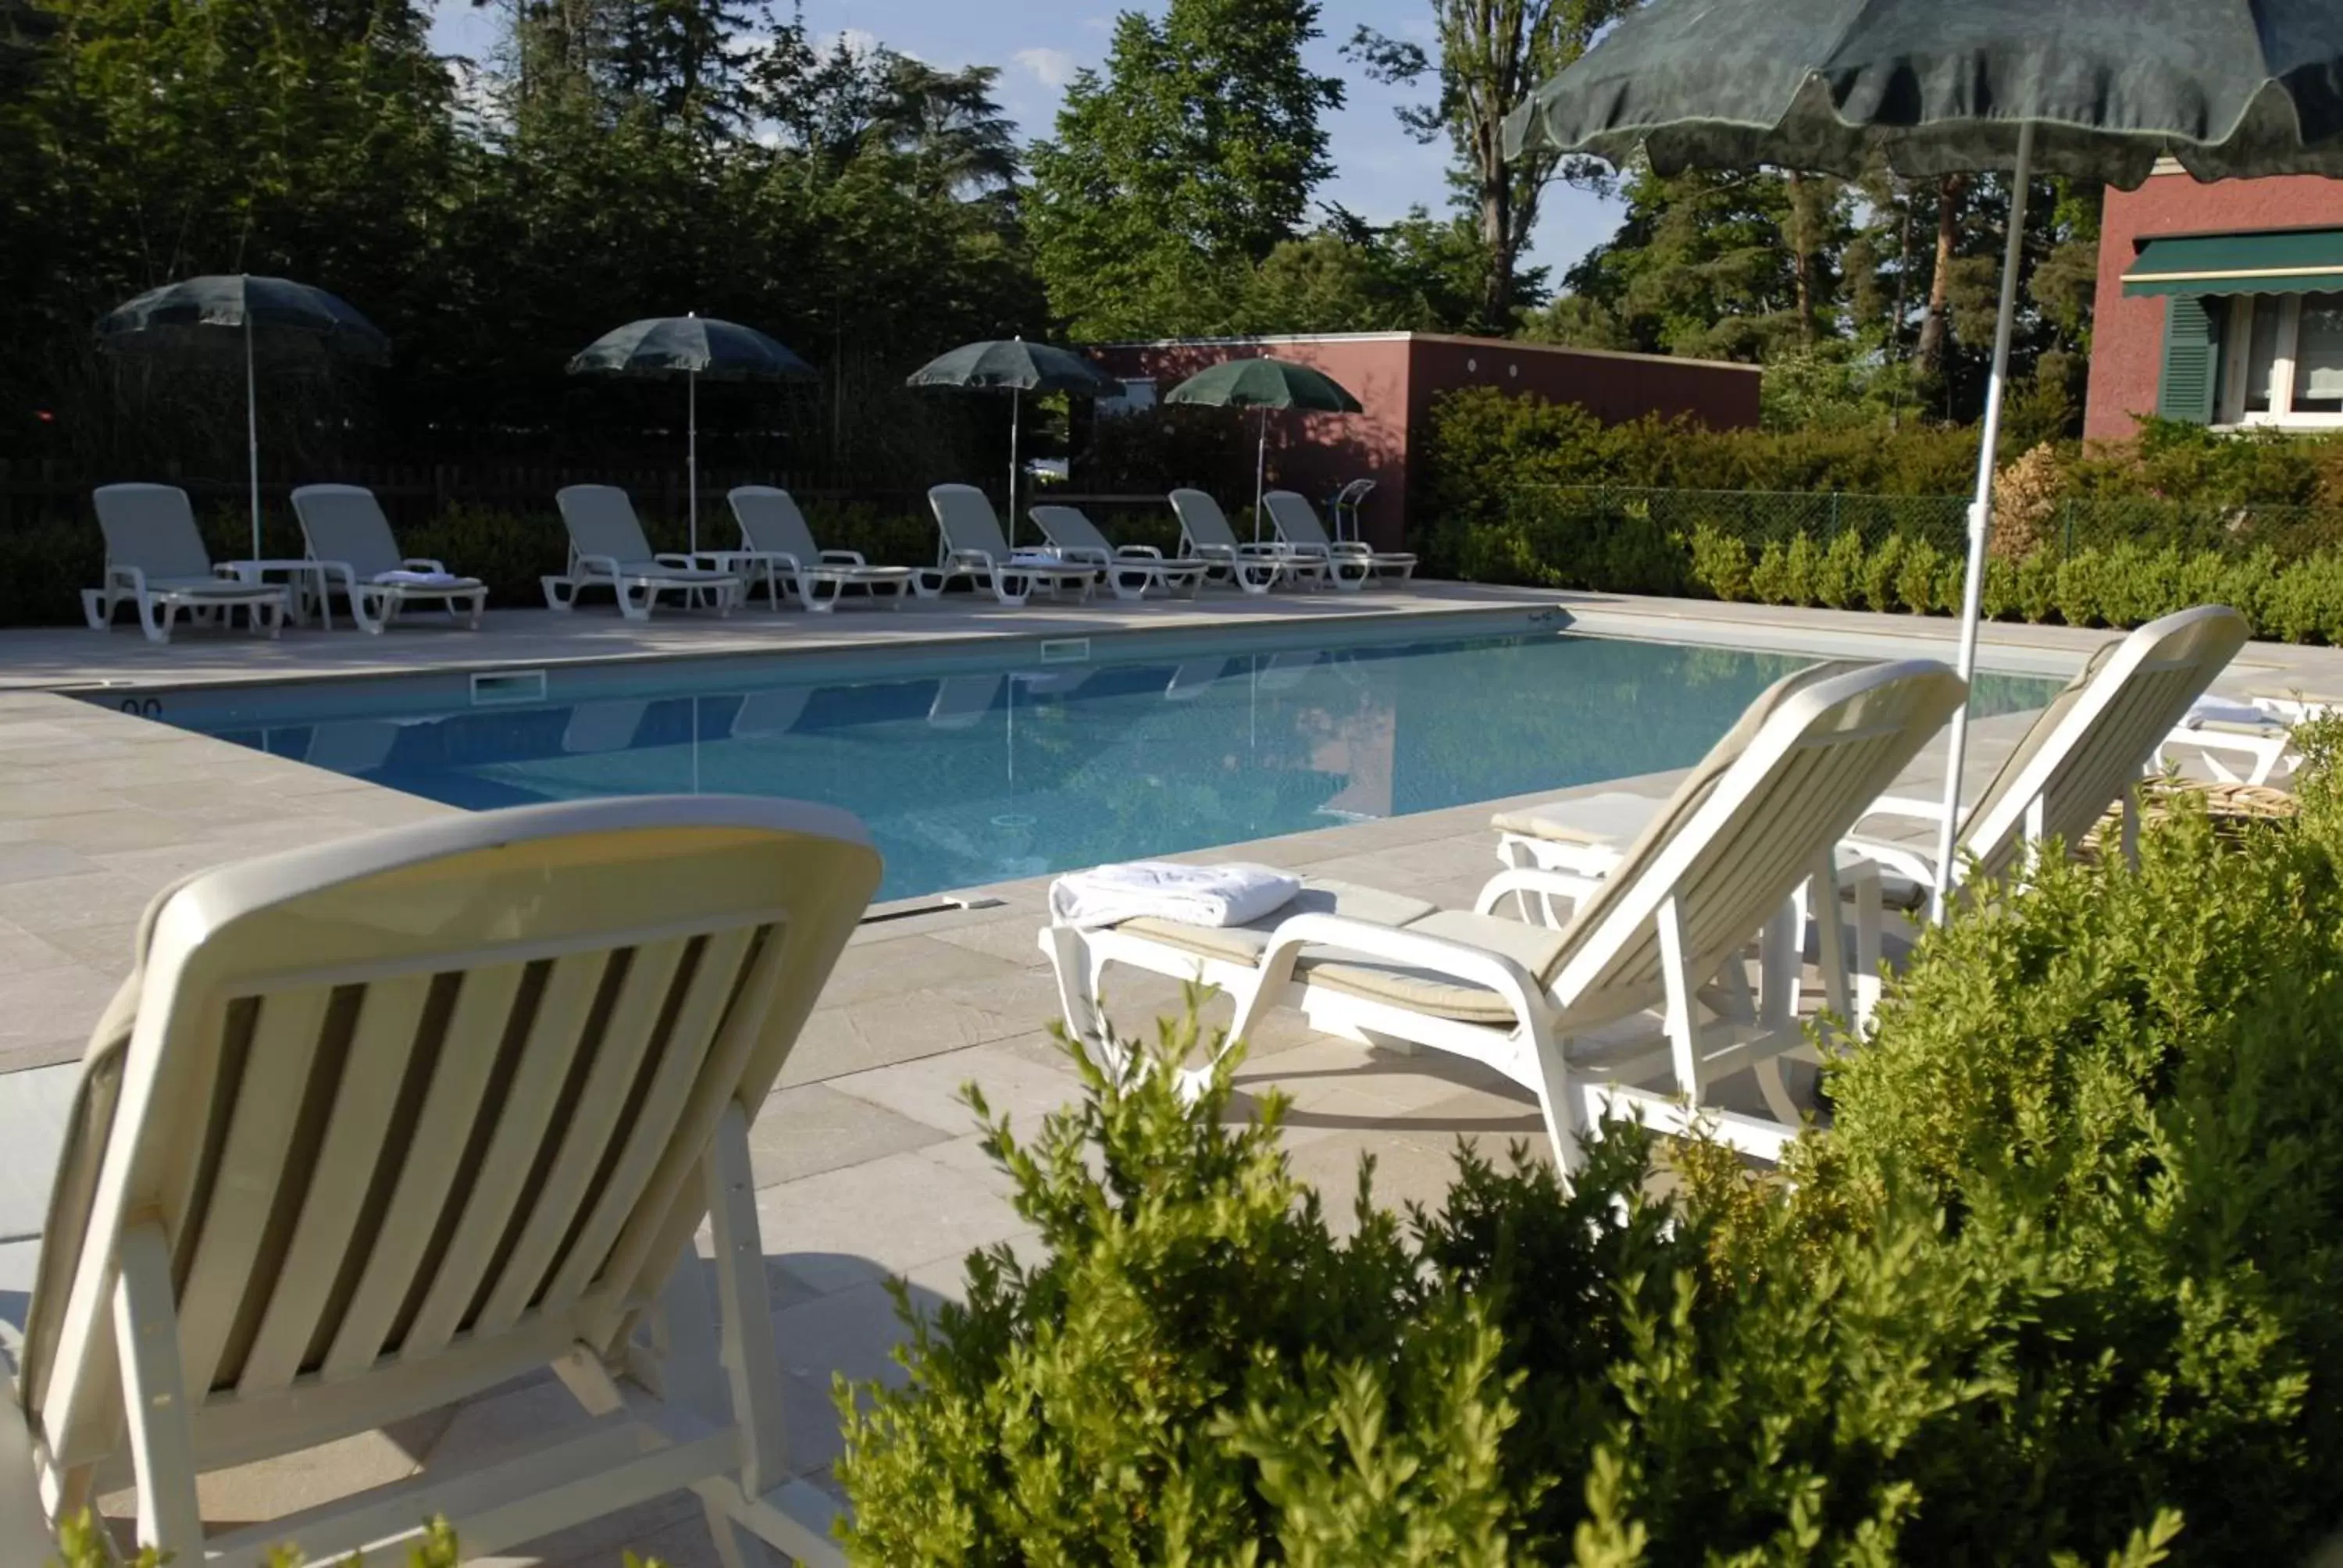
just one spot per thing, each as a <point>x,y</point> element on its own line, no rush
<point>976,777</point>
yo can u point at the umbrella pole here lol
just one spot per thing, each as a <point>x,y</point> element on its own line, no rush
<point>1981,510</point>
<point>252,425</point>
<point>1260,473</point>
<point>1016,405</point>
<point>692,454</point>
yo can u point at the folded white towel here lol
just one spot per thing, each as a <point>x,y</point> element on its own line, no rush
<point>2221,710</point>
<point>418,580</point>
<point>1192,895</point>
<point>1043,559</point>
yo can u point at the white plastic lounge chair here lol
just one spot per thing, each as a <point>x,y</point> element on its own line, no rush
<point>1756,817</point>
<point>1132,570</point>
<point>972,546</point>
<point>156,560</point>
<point>777,547</point>
<point>1205,533</point>
<point>378,1126</point>
<point>608,549</point>
<point>348,536</point>
<point>2259,732</point>
<point>1352,566</point>
<point>2081,755</point>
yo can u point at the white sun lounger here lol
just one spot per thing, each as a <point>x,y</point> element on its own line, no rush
<point>379,1126</point>
<point>1205,533</point>
<point>156,560</point>
<point>1756,817</point>
<point>777,547</point>
<point>2260,733</point>
<point>1132,570</point>
<point>350,538</point>
<point>2082,754</point>
<point>608,549</point>
<point>1352,566</point>
<point>972,546</point>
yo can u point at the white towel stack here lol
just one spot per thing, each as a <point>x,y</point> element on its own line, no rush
<point>1192,895</point>
<point>417,579</point>
<point>2221,710</point>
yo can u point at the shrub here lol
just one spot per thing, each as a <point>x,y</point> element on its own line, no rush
<point>84,1544</point>
<point>1881,569</point>
<point>2062,1283</point>
<point>1802,570</point>
<point>1720,564</point>
<point>1769,580</point>
<point>1915,576</point>
<point>1838,578</point>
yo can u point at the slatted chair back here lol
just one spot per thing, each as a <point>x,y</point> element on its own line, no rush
<point>345,523</point>
<point>601,522</point>
<point>1296,522</point>
<point>1069,529</point>
<point>153,528</point>
<point>1202,525</point>
<point>1751,822</point>
<point>964,515</point>
<point>2096,737</point>
<point>380,1124</point>
<point>771,524</point>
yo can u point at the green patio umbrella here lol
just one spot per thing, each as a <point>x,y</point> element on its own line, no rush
<point>259,317</point>
<point>2093,89</point>
<point>1020,368</point>
<point>696,348</point>
<point>1264,384</point>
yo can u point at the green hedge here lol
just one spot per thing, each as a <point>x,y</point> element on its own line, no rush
<point>2062,1284</point>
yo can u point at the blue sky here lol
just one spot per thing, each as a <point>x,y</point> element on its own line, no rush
<point>1378,170</point>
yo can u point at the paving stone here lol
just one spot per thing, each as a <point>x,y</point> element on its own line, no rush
<point>929,1090</point>
<point>814,1127</point>
<point>844,1229</point>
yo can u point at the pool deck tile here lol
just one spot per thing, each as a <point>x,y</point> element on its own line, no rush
<point>866,1162</point>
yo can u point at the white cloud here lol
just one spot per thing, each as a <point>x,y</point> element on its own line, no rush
<point>1050,67</point>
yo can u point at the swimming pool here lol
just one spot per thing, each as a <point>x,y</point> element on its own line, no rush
<point>975,774</point>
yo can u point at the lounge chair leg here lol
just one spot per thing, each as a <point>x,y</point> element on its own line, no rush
<point>1566,1125</point>
<point>1776,1093</point>
<point>555,598</point>
<point>97,609</point>
<point>1070,956</point>
<point>745,1306</point>
<point>1830,938</point>
<point>1683,1024</point>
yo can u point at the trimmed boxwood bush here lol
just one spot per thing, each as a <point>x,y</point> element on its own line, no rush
<point>2062,1283</point>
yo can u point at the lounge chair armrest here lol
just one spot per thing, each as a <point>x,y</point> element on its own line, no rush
<point>980,560</point>
<point>1084,556</point>
<point>1279,551</point>
<point>1352,548</point>
<point>606,565</point>
<point>349,573</point>
<point>1138,553</point>
<point>1394,944</point>
<point>1536,879</point>
<point>1901,859</point>
<point>844,558</point>
<point>422,564</point>
<point>673,558</point>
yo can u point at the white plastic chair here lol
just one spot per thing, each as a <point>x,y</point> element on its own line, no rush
<point>156,560</point>
<point>378,1126</point>
<point>1132,571</point>
<point>348,536</point>
<point>608,549</point>
<point>1256,569</point>
<point>777,546</point>
<point>1352,566</point>
<point>972,546</point>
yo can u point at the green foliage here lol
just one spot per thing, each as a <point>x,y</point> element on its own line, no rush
<point>84,1543</point>
<point>2061,1284</point>
<point>1915,576</point>
<point>1720,564</point>
<point>1181,168</point>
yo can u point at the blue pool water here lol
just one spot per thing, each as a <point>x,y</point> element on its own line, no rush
<point>982,775</point>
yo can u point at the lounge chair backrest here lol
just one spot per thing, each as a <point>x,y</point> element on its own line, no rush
<point>405,1115</point>
<point>2096,737</point>
<point>345,523</point>
<point>1295,522</point>
<point>1748,824</point>
<point>965,515</point>
<point>771,524</point>
<point>1201,520</point>
<point>152,528</point>
<point>601,522</point>
<point>1068,528</point>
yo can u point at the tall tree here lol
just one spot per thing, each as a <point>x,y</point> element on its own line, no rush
<point>1492,52</point>
<point>1181,168</point>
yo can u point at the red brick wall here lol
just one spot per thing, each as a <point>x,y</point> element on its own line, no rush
<point>1395,379</point>
<point>2128,335</point>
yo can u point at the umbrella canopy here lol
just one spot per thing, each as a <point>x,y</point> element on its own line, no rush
<point>2093,89</point>
<point>1016,366</point>
<point>1932,87</point>
<point>695,348</point>
<point>1263,384</point>
<point>257,316</point>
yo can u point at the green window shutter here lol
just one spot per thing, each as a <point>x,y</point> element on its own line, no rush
<point>2185,391</point>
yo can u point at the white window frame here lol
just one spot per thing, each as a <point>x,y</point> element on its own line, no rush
<point>2237,352</point>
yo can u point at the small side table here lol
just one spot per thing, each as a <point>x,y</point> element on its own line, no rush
<point>307,578</point>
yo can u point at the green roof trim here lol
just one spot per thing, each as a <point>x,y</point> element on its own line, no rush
<point>2287,261</point>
